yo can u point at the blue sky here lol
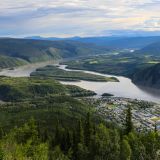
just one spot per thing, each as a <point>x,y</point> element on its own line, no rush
<point>64,18</point>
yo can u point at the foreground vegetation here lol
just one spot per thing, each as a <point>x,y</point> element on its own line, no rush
<point>41,120</point>
<point>60,74</point>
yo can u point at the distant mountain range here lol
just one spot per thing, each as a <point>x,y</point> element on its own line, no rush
<point>131,33</point>
<point>42,50</point>
<point>35,49</point>
<point>110,42</point>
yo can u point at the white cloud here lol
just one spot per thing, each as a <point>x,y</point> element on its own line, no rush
<point>76,17</point>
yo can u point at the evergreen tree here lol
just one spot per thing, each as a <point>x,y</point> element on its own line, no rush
<point>114,145</point>
<point>27,132</point>
<point>45,136</point>
<point>1,154</point>
<point>125,153</point>
<point>80,133</point>
<point>129,124</point>
<point>1,132</point>
<point>100,144</point>
<point>155,127</point>
<point>74,146</point>
<point>82,152</point>
<point>138,149</point>
<point>150,141</point>
<point>88,130</point>
<point>58,154</point>
<point>57,138</point>
<point>68,140</point>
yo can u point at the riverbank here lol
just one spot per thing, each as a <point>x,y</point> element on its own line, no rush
<point>25,70</point>
<point>124,88</point>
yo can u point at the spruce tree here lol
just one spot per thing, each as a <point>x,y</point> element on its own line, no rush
<point>58,154</point>
<point>68,139</point>
<point>1,132</point>
<point>129,124</point>
<point>57,138</point>
<point>88,129</point>
<point>1,154</point>
<point>125,153</point>
<point>74,146</point>
<point>155,127</point>
<point>80,133</point>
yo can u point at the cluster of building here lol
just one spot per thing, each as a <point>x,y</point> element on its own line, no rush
<point>145,115</point>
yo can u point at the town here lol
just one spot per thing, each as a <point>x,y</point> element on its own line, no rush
<point>145,115</point>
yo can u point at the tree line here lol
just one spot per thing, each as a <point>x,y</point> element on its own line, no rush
<point>86,141</point>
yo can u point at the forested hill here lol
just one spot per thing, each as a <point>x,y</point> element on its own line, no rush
<point>40,50</point>
<point>149,77</point>
<point>152,49</point>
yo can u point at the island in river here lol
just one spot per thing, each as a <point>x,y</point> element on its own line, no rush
<point>63,75</point>
<point>124,88</point>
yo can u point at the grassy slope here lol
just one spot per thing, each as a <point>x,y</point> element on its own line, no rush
<point>59,74</point>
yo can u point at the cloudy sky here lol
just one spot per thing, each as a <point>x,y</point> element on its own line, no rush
<point>63,18</point>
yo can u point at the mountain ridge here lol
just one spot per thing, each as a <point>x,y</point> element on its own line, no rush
<point>42,50</point>
<point>120,42</point>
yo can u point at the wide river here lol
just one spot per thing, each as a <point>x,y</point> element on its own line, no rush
<point>123,88</point>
